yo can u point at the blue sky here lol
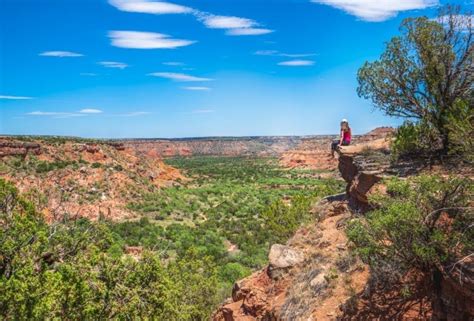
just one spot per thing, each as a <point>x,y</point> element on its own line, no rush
<point>142,68</point>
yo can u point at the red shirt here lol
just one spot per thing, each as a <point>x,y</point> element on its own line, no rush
<point>346,136</point>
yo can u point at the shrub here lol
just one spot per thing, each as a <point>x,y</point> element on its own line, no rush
<point>414,139</point>
<point>96,165</point>
<point>421,223</point>
<point>74,270</point>
<point>461,128</point>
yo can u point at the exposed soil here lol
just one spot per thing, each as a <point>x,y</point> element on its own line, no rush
<point>92,180</point>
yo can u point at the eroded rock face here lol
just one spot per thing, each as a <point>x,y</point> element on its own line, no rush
<point>13,148</point>
<point>238,146</point>
<point>310,283</point>
<point>453,298</point>
<point>282,256</point>
<point>363,167</point>
<point>99,179</point>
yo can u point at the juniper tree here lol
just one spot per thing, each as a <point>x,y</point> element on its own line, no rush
<point>425,71</point>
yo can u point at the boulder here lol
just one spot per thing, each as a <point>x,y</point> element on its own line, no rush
<point>282,256</point>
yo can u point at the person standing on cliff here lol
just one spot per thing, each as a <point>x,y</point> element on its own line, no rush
<point>344,137</point>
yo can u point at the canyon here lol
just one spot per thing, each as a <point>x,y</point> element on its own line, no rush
<point>313,276</point>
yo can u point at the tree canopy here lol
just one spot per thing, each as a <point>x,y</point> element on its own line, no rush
<point>425,71</point>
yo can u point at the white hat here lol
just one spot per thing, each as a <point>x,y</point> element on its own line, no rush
<point>344,120</point>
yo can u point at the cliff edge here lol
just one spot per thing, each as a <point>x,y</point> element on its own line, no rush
<point>316,276</point>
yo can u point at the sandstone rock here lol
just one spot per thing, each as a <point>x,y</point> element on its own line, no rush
<point>13,148</point>
<point>282,256</point>
<point>362,167</point>
<point>319,283</point>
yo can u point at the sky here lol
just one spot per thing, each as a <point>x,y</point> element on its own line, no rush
<point>188,68</point>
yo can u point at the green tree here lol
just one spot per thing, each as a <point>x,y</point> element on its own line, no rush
<point>423,223</point>
<point>424,71</point>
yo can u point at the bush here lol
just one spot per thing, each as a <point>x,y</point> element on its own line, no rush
<point>461,128</point>
<point>96,165</point>
<point>421,223</point>
<point>414,139</point>
<point>74,270</point>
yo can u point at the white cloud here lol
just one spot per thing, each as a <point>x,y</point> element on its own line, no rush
<point>377,10</point>
<point>60,54</point>
<point>298,55</point>
<point>248,31</point>
<point>197,88</point>
<point>152,7</point>
<point>280,54</point>
<point>113,64</point>
<point>202,111</point>
<point>146,40</point>
<point>226,22</point>
<point>178,76</point>
<point>296,63</point>
<point>173,63</point>
<point>55,114</point>
<point>90,111</point>
<point>89,74</point>
<point>15,97</point>
<point>60,114</point>
<point>44,113</point>
<point>236,26</point>
<point>267,52</point>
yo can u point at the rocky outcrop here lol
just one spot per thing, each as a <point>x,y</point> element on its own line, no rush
<point>314,152</point>
<point>218,146</point>
<point>81,178</point>
<point>362,166</point>
<point>453,295</point>
<point>311,153</point>
<point>309,278</point>
<point>16,148</point>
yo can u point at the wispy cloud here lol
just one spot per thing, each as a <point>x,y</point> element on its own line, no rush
<point>235,26</point>
<point>54,114</point>
<point>197,88</point>
<point>88,74</point>
<point>178,76</point>
<point>377,10</point>
<point>146,40</point>
<point>267,53</point>
<point>152,7</point>
<point>296,63</point>
<point>173,63</point>
<point>60,54</point>
<point>45,113</point>
<point>226,22</point>
<point>62,114</point>
<point>15,97</point>
<point>113,64</point>
<point>90,111</point>
<point>281,54</point>
<point>248,31</point>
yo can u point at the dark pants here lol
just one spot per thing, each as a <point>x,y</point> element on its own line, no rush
<point>335,144</point>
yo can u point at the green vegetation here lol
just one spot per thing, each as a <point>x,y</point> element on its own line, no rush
<point>72,270</point>
<point>423,223</point>
<point>426,75</point>
<point>194,241</point>
<point>32,165</point>
<point>248,202</point>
